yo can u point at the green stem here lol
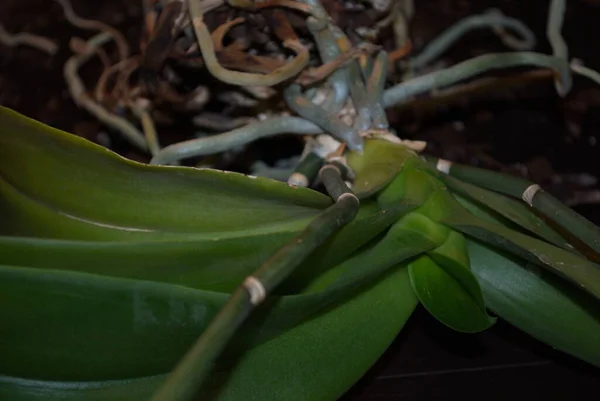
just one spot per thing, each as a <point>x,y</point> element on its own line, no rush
<point>306,171</point>
<point>184,381</point>
<point>579,226</point>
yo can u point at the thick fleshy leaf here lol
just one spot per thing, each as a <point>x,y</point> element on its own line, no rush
<point>447,298</point>
<point>515,211</point>
<point>411,184</point>
<point>217,264</point>
<point>58,185</point>
<point>453,257</point>
<point>442,207</point>
<point>542,305</point>
<point>317,360</point>
<point>403,241</point>
<point>377,165</point>
<point>581,272</point>
<point>569,223</point>
<point>78,326</point>
<point>370,223</point>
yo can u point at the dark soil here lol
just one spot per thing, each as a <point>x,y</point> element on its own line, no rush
<point>528,131</point>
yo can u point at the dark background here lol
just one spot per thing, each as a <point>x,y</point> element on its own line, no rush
<point>527,131</point>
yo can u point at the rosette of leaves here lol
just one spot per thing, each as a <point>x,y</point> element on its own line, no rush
<point>111,269</point>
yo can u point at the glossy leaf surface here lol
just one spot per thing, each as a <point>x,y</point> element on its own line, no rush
<point>543,306</point>
<point>377,166</point>
<point>83,327</point>
<point>442,207</point>
<point>447,298</point>
<point>303,363</point>
<point>578,270</point>
<point>58,185</point>
<point>453,257</point>
<point>218,264</point>
<point>516,211</point>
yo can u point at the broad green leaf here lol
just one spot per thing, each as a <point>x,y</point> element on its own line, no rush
<point>79,326</point>
<point>545,307</point>
<point>447,298</point>
<point>317,360</point>
<point>401,242</point>
<point>370,222</point>
<point>453,257</point>
<point>217,264</point>
<point>377,165</point>
<point>515,211</point>
<point>226,256</point>
<point>581,272</point>
<point>210,264</point>
<point>410,184</point>
<point>426,227</point>
<point>415,184</point>
<point>569,223</point>
<point>58,185</point>
<point>442,207</point>
<point>316,369</point>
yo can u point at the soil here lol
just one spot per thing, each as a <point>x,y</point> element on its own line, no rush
<point>526,130</point>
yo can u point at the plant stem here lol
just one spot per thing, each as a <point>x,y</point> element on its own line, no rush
<point>532,194</point>
<point>184,381</point>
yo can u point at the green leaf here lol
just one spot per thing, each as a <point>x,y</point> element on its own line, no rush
<point>411,184</point>
<point>442,207</point>
<point>545,307</point>
<point>401,242</point>
<point>370,222</point>
<point>448,297</point>
<point>515,211</point>
<point>58,185</point>
<point>317,360</point>
<point>209,264</point>
<point>581,272</point>
<point>79,326</point>
<point>453,257</point>
<point>377,165</point>
<point>216,264</point>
